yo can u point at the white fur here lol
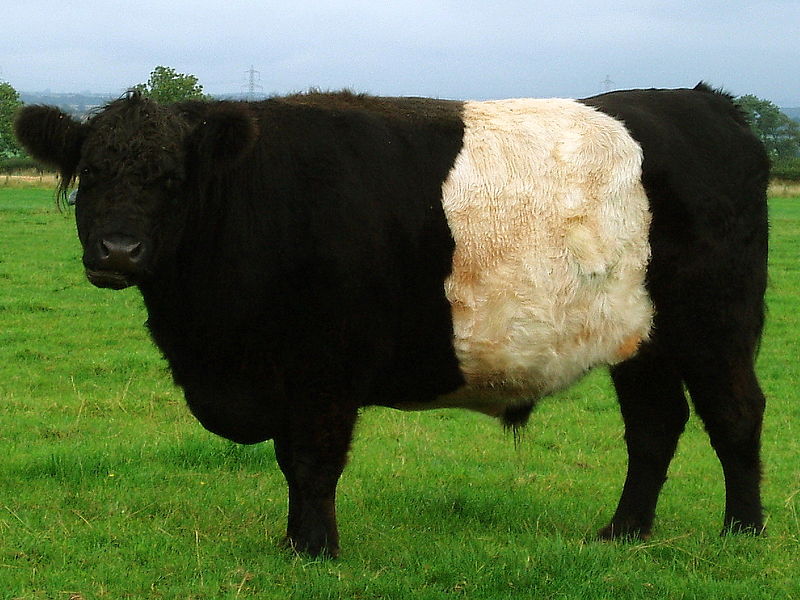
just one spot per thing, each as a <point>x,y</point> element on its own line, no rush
<point>550,220</point>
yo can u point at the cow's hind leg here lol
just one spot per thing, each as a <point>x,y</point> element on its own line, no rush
<point>312,453</point>
<point>655,411</point>
<point>730,402</point>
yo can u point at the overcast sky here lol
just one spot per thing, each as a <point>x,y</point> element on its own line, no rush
<point>450,49</point>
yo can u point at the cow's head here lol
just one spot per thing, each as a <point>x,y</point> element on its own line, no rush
<point>135,162</point>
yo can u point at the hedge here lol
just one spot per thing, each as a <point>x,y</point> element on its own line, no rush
<point>787,169</point>
<point>17,164</point>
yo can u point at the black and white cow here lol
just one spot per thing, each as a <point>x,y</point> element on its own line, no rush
<point>305,256</point>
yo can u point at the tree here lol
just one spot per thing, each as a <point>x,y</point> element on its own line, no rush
<point>9,103</point>
<point>780,134</point>
<point>166,86</point>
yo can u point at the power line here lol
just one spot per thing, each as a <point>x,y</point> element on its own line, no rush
<point>607,84</point>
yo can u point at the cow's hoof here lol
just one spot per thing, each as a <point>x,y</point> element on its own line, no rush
<point>625,532</point>
<point>311,548</point>
<point>741,528</point>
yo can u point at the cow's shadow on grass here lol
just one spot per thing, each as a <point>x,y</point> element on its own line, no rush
<point>71,465</point>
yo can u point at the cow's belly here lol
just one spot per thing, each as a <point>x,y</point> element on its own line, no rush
<point>550,220</point>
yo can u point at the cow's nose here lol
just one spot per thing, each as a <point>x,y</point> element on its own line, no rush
<point>121,253</point>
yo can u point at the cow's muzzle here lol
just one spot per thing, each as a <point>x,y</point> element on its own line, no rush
<point>109,279</point>
<point>117,262</point>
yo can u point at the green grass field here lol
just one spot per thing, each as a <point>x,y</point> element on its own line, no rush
<point>110,489</point>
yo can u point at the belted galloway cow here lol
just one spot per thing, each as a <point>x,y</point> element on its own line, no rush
<point>305,256</point>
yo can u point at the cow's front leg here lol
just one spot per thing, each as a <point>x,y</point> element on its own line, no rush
<point>312,454</point>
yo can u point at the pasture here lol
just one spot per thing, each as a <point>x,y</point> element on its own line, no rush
<point>110,489</point>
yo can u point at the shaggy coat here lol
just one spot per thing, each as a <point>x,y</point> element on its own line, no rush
<point>305,256</point>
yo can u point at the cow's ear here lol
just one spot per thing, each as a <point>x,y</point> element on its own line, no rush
<point>51,136</point>
<point>225,134</point>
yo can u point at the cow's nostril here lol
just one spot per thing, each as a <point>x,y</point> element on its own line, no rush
<point>135,250</point>
<point>120,253</point>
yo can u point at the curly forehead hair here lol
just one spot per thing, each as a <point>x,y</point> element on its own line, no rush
<point>135,120</point>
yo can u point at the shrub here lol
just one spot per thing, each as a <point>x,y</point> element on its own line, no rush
<point>787,169</point>
<point>17,164</point>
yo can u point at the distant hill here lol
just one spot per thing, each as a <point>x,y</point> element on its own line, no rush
<point>76,104</point>
<point>792,113</point>
<point>83,103</point>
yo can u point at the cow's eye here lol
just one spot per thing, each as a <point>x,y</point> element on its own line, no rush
<point>85,175</point>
